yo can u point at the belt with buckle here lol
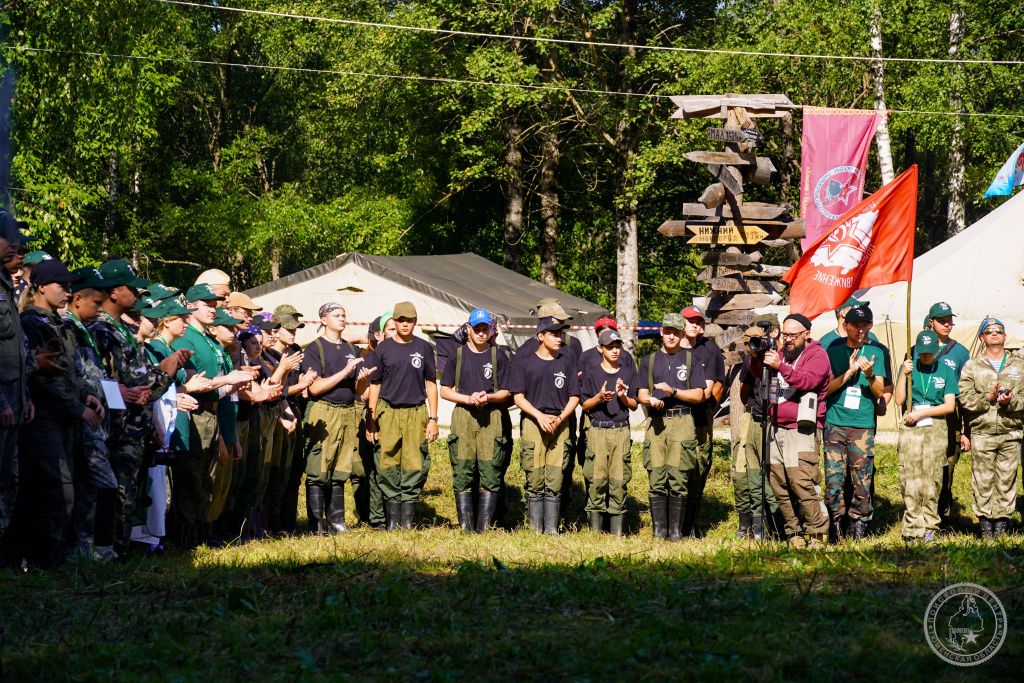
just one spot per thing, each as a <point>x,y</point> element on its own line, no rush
<point>674,412</point>
<point>609,424</point>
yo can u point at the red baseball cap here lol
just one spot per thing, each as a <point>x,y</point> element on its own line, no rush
<point>692,312</point>
<point>606,322</point>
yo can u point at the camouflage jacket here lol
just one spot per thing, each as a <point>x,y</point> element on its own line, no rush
<point>87,358</point>
<point>59,396</point>
<point>125,361</point>
<point>977,380</point>
<point>13,373</point>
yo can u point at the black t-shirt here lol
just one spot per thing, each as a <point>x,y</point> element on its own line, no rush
<point>570,346</point>
<point>477,370</point>
<point>590,384</point>
<point>754,403</point>
<point>547,384</point>
<point>709,365</point>
<point>592,357</point>
<point>402,370</point>
<point>675,369</point>
<point>335,358</point>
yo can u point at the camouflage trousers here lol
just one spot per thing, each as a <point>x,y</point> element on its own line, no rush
<point>95,494</point>
<point>332,442</point>
<point>796,480</point>
<point>8,476</point>
<point>126,458</point>
<point>922,458</point>
<point>671,455</point>
<point>746,470</point>
<point>608,469</point>
<point>404,458</point>
<point>478,448</point>
<point>849,450</point>
<point>995,460</point>
<point>543,457</point>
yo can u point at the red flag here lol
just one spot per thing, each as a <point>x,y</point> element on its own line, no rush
<point>835,154</point>
<point>871,244</point>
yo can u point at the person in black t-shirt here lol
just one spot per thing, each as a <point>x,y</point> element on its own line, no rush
<point>546,389</point>
<point>710,367</point>
<point>475,379</point>
<point>403,385</point>
<point>331,422</point>
<point>670,444</point>
<point>609,390</point>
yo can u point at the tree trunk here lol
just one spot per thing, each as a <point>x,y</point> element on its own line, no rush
<point>275,263</point>
<point>110,226</point>
<point>550,156</point>
<point>956,219</point>
<point>512,188</point>
<point>878,77</point>
<point>627,263</point>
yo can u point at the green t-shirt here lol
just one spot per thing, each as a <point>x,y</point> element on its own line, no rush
<point>932,383</point>
<point>205,357</point>
<point>956,358</point>
<point>853,405</point>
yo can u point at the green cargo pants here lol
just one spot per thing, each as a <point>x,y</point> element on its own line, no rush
<point>192,470</point>
<point>922,457</point>
<point>670,455</point>
<point>332,443</point>
<point>608,469</point>
<point>544,457</point>
<point>366,491</point>
<point>477,447</point>
<point>404,459</point>
<point>746,470</point>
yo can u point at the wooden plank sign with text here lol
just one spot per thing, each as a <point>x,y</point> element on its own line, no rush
<point>726,234</point>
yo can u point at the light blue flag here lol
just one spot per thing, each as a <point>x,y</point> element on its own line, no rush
<point>1010,175</point>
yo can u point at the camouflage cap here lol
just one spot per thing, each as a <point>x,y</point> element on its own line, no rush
<point>673,320</point>
<point>287,320</point>
<point>287,309</point>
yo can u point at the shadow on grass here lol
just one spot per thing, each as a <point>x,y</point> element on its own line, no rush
<point>731,614</point>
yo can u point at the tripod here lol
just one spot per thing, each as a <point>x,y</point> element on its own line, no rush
<point>768,396</point>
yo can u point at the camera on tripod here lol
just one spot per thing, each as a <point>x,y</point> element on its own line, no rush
<point>761,345</point>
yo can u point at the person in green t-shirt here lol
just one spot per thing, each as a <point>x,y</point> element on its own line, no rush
<point>934,388</point>
<point>858,380</point>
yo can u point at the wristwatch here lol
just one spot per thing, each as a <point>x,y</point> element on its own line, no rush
<point>431,418</point>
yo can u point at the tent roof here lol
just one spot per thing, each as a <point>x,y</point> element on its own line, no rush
<point>463,280</point>
<point>978,272</point>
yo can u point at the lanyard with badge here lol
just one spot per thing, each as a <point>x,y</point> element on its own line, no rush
<point>852,395</point>
<point>88,335</point>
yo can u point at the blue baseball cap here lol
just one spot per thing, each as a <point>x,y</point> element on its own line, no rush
<point>985,323</point>
<point>480,316</point>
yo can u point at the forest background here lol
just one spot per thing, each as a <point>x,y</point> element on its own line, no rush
<point>185,136</point>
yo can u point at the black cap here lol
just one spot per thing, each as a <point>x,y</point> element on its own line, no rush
<point>550,323</point>
<point>859,314</point>
<point>50,271</point>
<point>265,324</point>
<point>802,319</point>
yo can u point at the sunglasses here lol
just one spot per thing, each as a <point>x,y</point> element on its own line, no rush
<point>995,330</point>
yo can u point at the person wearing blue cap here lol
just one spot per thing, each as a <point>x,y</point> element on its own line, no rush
<point>480,440</point>
<point>923,443</point>
<point>992,396</point>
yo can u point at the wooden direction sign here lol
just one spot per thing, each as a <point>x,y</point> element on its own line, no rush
<point>726,234</point>
<point>730,258</point>
<point>735,284</point>
<point>762,105</point>
<point>750,211</point>
<point>739,302</point>
<point>729,177</point>
<point>744,318</point>
<point>727,158</point>
<point>754,271</point>
<point>728,135</point>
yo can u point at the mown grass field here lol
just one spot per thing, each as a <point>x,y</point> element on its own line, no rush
<point>435,604</point>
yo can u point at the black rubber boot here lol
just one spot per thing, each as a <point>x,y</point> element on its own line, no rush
<point>336,510</point>
<point>836,532</point>
<point>315,508</point>
<point>757,527</point>
<point>596,521</point>
<point>676,511</point>
<point>985,528</point>
<point>860,529</point>
<point>392,511</point>
<point>464,509</point>
<point>659,515</point>
<point>746,520</point>
<point>535,513</point>
<point>406,514</point>
<point>551,508</point>
<point>486,505</point>
<point>1000,528</point>
<point>615,525</point>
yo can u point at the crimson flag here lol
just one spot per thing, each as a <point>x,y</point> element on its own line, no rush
<point>871,244</point>
<point>834,159</point>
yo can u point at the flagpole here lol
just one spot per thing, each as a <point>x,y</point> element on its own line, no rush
<point>910,375</point>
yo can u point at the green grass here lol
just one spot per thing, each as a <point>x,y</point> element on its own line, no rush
<point>437,604</point>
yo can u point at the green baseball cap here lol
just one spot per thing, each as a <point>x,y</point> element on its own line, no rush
<point>927,342</point>
<point>34,257</point>
<point>168,308</point>
<point>201,292</point>
<point>120,273</point>
<point>288,321</point>
<point>91,279</point>
<point>160,291</point>
<point>225,318</point>
<point>940,310</point>
<point>145,301</point>
<point>287,309</point>
<point>673,320</point>
<point>851,302</point>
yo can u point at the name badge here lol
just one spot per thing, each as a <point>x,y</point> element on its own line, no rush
<point>924,421</point>
<point>785,391</point>
<point>851,398</point>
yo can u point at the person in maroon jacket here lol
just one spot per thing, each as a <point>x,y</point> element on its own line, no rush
<point>802,371</point>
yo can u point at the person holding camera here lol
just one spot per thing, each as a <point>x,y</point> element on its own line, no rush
<point>992,395</point>
<point>801,372</point>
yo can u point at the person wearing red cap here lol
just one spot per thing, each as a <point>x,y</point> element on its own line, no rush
<point>709,367</point>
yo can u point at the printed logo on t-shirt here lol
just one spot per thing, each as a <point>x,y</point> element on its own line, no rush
<point>681,373</point>
<point>417,360</point>
<point>939,382</point>
<point>559,379</point>
<point>488,371</point>
<point>951,364</point>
